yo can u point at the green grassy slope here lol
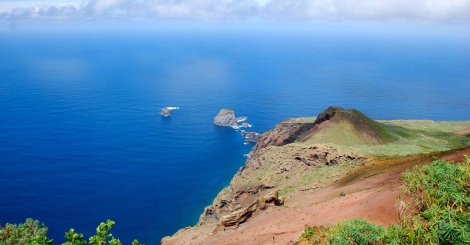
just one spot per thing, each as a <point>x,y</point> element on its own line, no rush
<point>352,130</point>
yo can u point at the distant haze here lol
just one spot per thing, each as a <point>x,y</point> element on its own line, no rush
<point>445,11</point>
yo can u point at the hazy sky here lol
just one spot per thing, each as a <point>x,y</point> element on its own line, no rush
<point>445,11</point>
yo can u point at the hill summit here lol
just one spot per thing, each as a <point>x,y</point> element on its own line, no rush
<point>346,127</point>
<point>335,125</point>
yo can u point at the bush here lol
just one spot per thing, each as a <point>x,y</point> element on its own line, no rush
<point>437,199</point>
<point>30,231</point>
<point>356,231</point>
<point>33,233</point>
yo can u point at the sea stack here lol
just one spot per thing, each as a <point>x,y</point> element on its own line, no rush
<point>166,112</point>
<point>226,117</point>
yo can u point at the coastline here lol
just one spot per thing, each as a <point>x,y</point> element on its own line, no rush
<point>365,179</point>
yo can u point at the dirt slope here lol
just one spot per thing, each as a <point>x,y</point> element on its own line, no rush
<point>369,194</point>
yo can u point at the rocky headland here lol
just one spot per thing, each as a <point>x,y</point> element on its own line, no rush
<point>315,171</point>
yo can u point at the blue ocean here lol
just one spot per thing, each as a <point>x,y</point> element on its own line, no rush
<point>82,141</point>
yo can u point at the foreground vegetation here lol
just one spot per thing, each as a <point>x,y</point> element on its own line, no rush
<point>434,209</point>
<point>34,233</point>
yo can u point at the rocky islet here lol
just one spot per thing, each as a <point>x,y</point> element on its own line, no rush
<point>226,118</point>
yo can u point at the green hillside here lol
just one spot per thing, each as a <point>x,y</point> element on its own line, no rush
<point>352,130</point>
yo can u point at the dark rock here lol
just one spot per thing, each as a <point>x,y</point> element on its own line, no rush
<point>165,112</point>
<point>284,133</point>
<point>304,160</point>
<point>327,114</point>
<point>251,190</point>
<point>209,212</point>
<point>251,136</point>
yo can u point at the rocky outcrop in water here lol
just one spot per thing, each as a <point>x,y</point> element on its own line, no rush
<point>225,118</point>
<point>251,136</point>
<point>245,125</point>
<point>165,112</point>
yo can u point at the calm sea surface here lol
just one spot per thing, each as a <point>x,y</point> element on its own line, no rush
<point>82,141</point>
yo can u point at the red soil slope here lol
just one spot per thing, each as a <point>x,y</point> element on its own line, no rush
<point>370,193</point>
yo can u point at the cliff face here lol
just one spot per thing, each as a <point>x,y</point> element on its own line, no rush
<point>283,133</point>
<point>273,169</point>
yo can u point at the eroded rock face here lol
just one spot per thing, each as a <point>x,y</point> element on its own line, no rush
<point>225,117</point>
<point>284,133</point>
<point>233,220</point>
<point>235,199</point>
<point>268,171</point>
<point>327,114</point>
<point>277,160</point>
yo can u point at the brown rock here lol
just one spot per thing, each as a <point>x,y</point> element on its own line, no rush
<point>233,220</point>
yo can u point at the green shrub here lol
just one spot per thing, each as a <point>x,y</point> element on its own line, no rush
<point>33,233</point>
<point>437,199</point>
<point>308,232</point>
<point>30,232</point>
<point>356,231</point>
